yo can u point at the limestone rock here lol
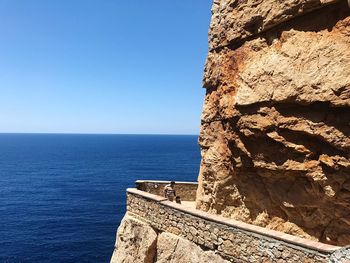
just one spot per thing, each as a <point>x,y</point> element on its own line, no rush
<point>322,74</point>
<point>235,20</point>
<point>174,249</point>
<point>136,242</point>
<point>275,133</point>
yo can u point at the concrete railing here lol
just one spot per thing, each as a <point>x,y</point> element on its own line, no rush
<point>186,190</point>
<point>234,240</point>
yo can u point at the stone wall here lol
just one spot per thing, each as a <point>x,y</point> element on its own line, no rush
<point>186,190</point>
<point>275,134</point>
<point>229,239</point>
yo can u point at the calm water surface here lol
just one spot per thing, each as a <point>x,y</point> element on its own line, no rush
<point>62,196</point>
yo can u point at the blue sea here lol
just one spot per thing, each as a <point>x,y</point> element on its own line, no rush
<point>62,196</point>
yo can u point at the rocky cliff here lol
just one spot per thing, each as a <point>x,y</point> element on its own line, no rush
<point>275,144</point>
<point>275,127</point>
<point>138,242</point>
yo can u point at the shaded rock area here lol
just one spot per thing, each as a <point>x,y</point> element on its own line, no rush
<point>275,127</point>
<point>138,242</point>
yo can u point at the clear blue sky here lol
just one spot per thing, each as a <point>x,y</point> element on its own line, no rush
<point>102,66</point>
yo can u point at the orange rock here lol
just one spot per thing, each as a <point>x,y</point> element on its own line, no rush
<point>275,134</point>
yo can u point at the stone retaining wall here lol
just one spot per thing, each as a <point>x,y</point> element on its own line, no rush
<point>186,190</point>
<point>233,240</point>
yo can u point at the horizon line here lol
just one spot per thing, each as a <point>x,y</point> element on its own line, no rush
<point>82,133</point>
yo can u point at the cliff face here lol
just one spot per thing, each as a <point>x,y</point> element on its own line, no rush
<point>275,132</point>
<point>137,242</point>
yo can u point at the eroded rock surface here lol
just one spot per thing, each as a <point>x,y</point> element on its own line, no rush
<point>136,242</point>
<point>174,249</point>
<point>234,20</point>
<point>275,134</point>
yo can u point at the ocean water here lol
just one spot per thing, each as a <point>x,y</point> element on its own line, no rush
<point>62,196</point>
